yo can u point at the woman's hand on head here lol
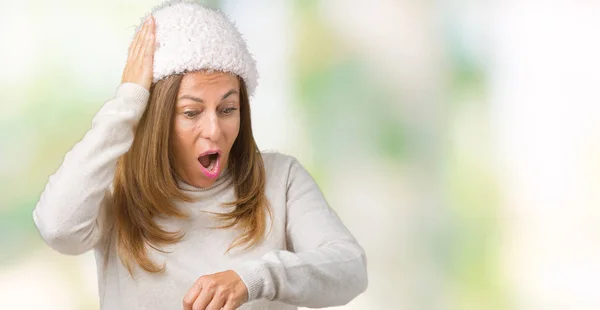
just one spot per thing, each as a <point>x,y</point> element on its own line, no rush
<point>138,68</point>
<point>223,290</point>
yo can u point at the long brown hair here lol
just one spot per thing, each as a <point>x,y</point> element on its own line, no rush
<point>145,183</point>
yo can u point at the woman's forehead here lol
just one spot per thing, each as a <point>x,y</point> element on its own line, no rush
<point>198,79</point>
<point>208,85</point>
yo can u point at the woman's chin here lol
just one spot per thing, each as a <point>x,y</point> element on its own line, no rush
<point>203,182</point>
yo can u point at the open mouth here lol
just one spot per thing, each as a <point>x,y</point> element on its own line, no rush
<point>210,163</point>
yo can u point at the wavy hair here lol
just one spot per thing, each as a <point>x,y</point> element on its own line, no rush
<point>145,185</point>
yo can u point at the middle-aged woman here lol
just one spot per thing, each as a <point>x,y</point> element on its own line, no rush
<point>170,190</point>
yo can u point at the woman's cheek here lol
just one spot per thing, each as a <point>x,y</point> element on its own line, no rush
<point>232,126</point>
<point>185,124</point>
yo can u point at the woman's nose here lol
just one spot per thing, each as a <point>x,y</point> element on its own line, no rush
<point>210,128</point>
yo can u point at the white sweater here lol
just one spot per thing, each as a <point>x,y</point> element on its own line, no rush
<point>309,258</point>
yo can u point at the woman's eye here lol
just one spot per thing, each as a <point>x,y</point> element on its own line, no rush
<point>190,114</point>
<point>229,111</point>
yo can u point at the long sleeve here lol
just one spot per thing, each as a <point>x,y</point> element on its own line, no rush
<point>324,267</point>
<point>67,214</point>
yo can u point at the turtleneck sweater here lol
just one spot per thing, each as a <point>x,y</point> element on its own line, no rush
<point>307,258</point>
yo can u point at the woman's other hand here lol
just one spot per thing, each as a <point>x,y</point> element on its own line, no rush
<point>223,290</point>
<point>139,66</point>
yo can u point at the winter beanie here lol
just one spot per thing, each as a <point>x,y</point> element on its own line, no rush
<point>191,37</point>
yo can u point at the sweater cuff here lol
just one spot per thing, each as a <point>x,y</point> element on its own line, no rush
<point>251,275</point>
<point>134,92</point>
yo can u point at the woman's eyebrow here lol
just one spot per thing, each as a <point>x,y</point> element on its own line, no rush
<point>191,98</point>
<point>227,94</point>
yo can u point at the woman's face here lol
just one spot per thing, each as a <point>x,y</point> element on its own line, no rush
<point>206,123</point>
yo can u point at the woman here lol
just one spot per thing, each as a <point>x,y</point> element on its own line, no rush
<point>171,192</point>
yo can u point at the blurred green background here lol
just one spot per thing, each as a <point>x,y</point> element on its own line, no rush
<point>458,140</point>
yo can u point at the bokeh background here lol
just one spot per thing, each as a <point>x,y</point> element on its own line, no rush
<point>458,140</point>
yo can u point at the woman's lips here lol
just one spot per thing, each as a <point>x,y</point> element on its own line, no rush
<point>214,168</point>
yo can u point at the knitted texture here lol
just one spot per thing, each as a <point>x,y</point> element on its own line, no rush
<point>307,259</point>
<point>191,37</point>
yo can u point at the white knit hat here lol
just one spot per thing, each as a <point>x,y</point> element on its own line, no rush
<point>191,37</point>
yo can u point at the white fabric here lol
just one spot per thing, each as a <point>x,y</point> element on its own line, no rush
<point>192,37</point>
<point>308,259</point>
